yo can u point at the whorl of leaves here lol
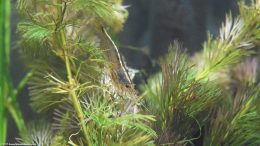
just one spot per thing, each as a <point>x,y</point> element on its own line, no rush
<point>37,133</point>
<point>237,36</point>
<point>239,124</point>
<point>109,12</point>
<point>108,127</point>
<point>177,99</point>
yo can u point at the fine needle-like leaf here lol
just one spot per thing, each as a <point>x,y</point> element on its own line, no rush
<point>177,99</point>
<point>237,36</point>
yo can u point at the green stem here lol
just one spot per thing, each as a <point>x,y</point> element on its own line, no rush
<point>7,92</point>
<point>12,104</point>
<point>4,64</point>
<point>72,92</point>
<point>16,113</point>
<point>21,85</point>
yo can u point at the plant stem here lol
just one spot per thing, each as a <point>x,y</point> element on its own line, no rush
<point>12,104</point>
<point>61,38</point>
<point>72,91</point>
<point>7,92</point>
<point>16,114</point>
<point>4,64</point>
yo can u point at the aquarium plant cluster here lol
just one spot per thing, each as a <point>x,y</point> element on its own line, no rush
<point>83,91</point>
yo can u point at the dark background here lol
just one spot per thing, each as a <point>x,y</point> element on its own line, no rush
<point>152,25</point>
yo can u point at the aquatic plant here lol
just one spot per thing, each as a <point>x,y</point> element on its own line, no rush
<point>191,95</point>
<point>8,93</point>
<point>78,73</point>
<point>82,86</point>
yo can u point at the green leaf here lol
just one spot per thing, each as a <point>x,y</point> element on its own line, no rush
<point>238,125</point>
<point>177,99</point>
<point>109,128</point>
<point>108,12</point>
<point>33,32</point>
<point>237,37</point>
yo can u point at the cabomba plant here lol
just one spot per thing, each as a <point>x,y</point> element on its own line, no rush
<point>84,89</point>
<point>79,75</point>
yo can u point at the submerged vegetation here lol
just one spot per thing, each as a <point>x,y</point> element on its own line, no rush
<point>82,86</point>
<point>8,93</point>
